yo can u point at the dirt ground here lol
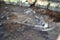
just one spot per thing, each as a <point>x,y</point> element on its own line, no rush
<point>15,31</point>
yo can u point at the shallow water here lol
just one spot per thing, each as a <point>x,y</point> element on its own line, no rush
<point>22,32</point>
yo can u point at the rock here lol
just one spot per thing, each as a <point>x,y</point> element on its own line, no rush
<point>42,4</point>
<point>53,6</point>
<point>31,1</point>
